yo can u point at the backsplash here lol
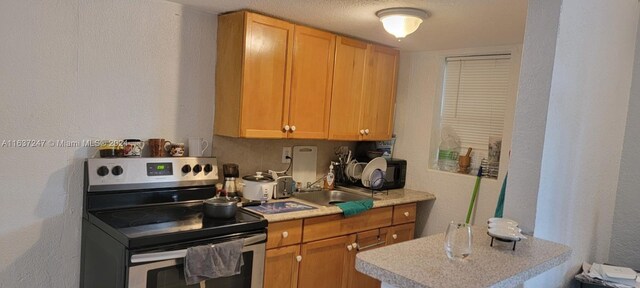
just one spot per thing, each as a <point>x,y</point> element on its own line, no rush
<point>253,155</point>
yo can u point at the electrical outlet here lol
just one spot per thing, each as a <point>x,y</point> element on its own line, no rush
<point>286,152</point>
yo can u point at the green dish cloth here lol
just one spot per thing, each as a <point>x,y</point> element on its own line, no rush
<point>355,207</point>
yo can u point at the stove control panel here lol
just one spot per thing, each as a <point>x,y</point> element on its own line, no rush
<point>117,174</point>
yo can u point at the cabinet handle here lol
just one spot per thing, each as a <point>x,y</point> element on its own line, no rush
<point>406,214</point>
<point>354,245</point>
<point>361,131</point>
<point>293,128</point>
<point>360,248</point>
<point>395,236</point>
<point>349,247</point>
<point>286,128</point>
<point>298,258</point>
<point>285,234</point>
<point>366,131</point>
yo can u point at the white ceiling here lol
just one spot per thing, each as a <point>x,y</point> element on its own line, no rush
<point>454,24</point>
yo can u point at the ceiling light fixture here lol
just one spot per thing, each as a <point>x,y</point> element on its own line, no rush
<point>401,22</point>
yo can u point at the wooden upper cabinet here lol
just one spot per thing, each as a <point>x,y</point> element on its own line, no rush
<point>380,92</point>
<point>364,91</point>
<point>275,79</point>
<point>265,99</point>
<point>253,75</point>
<point>348,81</point>
<point>311,82</point>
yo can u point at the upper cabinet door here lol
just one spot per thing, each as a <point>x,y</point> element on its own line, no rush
<point>380,92</point>
<point>311,81</point>
<point>348,81</point>
<point>266,80</point>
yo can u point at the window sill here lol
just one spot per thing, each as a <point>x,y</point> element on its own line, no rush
<point>447,173</point>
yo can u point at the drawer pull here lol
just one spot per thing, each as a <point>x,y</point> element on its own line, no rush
<point>298,258</point>
<point>285,234</point>
<point>361,131</point>
<point>349,247</point>
<point>395,236</point>
<point>293,128</point>
<point>366,131</point>
<point>371,245</point>
<point>286,128</point>
<point>406,214</point>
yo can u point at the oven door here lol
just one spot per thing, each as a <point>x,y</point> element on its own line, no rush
<point>166,269</point>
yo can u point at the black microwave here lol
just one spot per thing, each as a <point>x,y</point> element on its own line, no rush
<point>395,175</point>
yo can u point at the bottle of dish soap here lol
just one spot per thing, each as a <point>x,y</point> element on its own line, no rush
<point>329,180</point>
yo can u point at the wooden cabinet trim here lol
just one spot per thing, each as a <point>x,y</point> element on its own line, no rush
<point>229,71</point>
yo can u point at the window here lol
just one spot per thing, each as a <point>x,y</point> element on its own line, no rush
<point>474,101</point>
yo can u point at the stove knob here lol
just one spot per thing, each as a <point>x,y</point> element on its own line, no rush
<point>103,171</point>
<point>208,168</point>
<point>186,168</point>
<point>197,168</point>
<point>117,170</point>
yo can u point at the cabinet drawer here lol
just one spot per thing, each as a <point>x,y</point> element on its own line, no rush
<point>404,213</point>
<point>336,225</point>
<point>284,233</point>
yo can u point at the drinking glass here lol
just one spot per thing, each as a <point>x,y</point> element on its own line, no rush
<point>457,240</point>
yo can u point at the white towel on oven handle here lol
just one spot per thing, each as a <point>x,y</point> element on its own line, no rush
<point>212,261</point>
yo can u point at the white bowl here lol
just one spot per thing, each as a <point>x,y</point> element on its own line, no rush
<point>504,225</point>
<point>503,220</point>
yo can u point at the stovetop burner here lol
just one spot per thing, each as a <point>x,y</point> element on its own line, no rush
<point>168,221</point>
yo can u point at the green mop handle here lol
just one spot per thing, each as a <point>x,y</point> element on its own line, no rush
<point>474,195</point>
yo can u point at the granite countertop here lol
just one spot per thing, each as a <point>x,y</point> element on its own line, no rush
<point>394,197</point>
<point>422,262</point>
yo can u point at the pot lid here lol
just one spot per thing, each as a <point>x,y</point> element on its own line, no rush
<point>258,178</point>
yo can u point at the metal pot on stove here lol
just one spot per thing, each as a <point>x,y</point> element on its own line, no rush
<point>219,207</point>
<point>258,187</point>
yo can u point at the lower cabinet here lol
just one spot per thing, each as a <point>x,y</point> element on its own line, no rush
<point>400,233</point>
<point>366,241</point>
<point>281,269</point>
<point>328,262</point>
<point>325,263</point>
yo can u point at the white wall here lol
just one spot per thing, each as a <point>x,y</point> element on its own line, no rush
<point>418,105</point>
<point>625,238</point>
<point>531,111</point>
<point>75,70</point>
<point>584,131</point>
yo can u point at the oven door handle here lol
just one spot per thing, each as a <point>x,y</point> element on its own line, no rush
<point>176,254</point>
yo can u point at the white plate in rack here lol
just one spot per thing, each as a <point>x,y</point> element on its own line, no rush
<point>376,163</point>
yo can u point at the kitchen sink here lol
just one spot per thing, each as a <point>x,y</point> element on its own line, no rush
<point>330,197</point>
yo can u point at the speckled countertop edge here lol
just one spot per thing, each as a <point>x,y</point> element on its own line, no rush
<point>422,262</point>
<point>394,197</point>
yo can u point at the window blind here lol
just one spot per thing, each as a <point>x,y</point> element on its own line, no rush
<point>474,97</point>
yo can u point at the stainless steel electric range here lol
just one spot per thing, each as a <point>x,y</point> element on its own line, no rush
<point>141,214</point>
